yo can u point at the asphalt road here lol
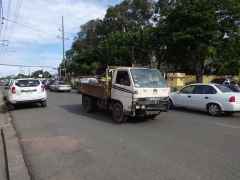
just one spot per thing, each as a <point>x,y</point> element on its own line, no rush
<point>63,142</point>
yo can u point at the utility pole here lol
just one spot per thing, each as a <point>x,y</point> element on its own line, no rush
<point>64,60</point>
<point>64,66</point>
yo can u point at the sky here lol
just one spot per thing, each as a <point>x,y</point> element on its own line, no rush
<point>31,31</point>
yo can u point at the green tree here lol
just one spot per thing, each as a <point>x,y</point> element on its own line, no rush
<point>194,33</point>
<point>36,74</point>
<point>124,49</point>
<point>128,13</point>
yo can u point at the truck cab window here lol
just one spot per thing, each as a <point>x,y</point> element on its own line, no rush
<point>123,78</point>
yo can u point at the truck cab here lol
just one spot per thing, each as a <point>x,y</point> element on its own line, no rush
<point>145,93</point>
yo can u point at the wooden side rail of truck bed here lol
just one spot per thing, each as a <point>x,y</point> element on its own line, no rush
<point>98,90</point>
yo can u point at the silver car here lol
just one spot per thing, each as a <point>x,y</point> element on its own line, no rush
<point>60,86</point>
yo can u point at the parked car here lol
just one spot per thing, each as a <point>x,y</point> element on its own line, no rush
<point>213,98</point>
<point>233,88</point>
<point>225,80</point>
<point>26,90</point>
<point>60,86</point>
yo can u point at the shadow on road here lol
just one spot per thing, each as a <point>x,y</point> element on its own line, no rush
<point>101,115</point>
<point>204,113</point>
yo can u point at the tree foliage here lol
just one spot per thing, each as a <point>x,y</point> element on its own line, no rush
<point>36,74</point>
<point>194,31</point>
<point>190,35</point>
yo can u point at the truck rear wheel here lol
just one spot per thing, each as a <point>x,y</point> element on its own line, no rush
<point>118,114</point>
<point>88,104</point>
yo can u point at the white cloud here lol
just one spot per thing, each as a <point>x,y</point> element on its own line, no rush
<point>33,47</point>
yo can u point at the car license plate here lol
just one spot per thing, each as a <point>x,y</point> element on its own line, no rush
<point>28,92</point>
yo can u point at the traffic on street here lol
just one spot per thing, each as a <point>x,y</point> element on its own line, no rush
<point>63,141</point>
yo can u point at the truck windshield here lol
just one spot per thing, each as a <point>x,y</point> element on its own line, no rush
<point>148,78</point>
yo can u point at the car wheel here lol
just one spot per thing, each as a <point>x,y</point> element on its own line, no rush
<point>151,116</point>
<point>214,109</point>
<point>170,104</point>
<point>118,114</point>
<point>88,104</point>
<point>10,106</point>
<point>50,89</point>
<point>44,103</point>
<point>229,113</point>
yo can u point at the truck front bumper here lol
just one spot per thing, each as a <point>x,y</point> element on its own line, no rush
<point>146,106</point>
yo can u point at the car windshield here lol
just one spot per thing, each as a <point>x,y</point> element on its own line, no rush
<point>27,83</point>
<point>148,78</point>
<point>223,88</point>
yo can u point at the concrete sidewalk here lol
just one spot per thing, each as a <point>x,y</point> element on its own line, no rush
<point>12,165</point>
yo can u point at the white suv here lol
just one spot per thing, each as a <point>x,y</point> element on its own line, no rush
<point>25,90</point>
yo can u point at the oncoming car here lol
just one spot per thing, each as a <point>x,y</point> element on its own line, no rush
<point>60,86</point>
<point>22,91</point>
<point>213,98</point>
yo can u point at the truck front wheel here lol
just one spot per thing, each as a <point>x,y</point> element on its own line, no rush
<point>118,114</point>
<point>88,104</point>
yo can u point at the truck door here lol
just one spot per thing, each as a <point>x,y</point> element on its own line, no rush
<point>122,88</point>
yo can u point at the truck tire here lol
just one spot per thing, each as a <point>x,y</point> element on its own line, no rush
<point>118,114</point>
<point>88,104</point>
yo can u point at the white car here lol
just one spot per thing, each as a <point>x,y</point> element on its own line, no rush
<point>25,90</point>
<point>213,98</point>
<point>88,80</point>
<point>60,86</point>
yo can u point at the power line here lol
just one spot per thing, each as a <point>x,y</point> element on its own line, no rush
<point>24,65</point>
<point>46,46</point>
<point>9,3</point>
<point>30,27</point>
<point>13,25</point>
<point>1,14</point>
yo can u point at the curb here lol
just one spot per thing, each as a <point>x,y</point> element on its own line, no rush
<point>16,167</point>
